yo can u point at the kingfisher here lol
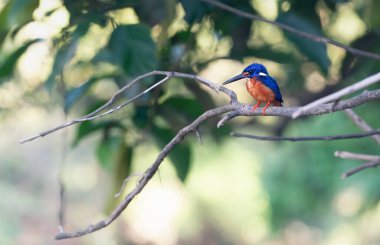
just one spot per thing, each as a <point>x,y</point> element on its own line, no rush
<point>260,85</point>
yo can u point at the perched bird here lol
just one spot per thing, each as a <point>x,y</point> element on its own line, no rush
<point>260,85</point>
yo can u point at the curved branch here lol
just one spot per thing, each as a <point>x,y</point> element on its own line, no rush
<point>149,173</point>
<point>315,38</point>
<point>233,109</point>
<point>168,74</point>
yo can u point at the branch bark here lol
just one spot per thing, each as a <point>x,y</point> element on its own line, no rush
<point>339,94</point>
<point>315,38</point>
<point>359,168</point>
<point>307,138</point>
<point>320,109</point>
<point>233,109</point>
<point>149,173</point>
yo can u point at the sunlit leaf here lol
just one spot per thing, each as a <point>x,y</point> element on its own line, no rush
<point>8,66</point>
<point>132,48</point>
<point>65,54</point>
<point>16,13</point>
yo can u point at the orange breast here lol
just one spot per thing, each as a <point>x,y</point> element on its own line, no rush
<point>259,91</point>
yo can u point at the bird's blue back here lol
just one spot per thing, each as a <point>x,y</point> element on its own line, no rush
<point>272,84</point>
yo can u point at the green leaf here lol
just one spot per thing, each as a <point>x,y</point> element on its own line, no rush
<point>180,156</point>
<point>151,12</point>
<point>87,128</point>
<point>16,13</point>
<point>194,10</point>
<point>8,66</point>
<point>140,117</point>
<point>107,151</point>
<point>316,52</point>
<point>131,48</point>
<point>121,170</point>
<point>181,105</point>
<point>75,94</point>
<point>65,54</point>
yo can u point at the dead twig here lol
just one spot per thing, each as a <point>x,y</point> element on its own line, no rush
<point>360,168</point>
<point>307,138</point>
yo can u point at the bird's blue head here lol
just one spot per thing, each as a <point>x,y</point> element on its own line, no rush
<point>255,69</point>
<point>250,71</point>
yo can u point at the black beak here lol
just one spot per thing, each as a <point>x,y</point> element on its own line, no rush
<point>235,78</point>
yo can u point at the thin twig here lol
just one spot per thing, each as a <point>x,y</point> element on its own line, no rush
<point>315,38</point>
<point>371,161</point>
<point>356,156</point>
<point>125,184</point>
<point>95,114</point>
<point>361,124</point>
<point>339,94</point>
<point>199,136</point>
<point>307,138</point>
<point>360,168</point>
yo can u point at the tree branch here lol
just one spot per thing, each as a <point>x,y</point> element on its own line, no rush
<point>95,114</point>
<point>339,94</point>
<point>307,138</point>
<point>361,124</point>
<point>372,161</point>
<point>356,156</point>
<point>365,97</point>
<point>149,173</point>
<point>360,168</point>
<point>234,108</point>
<point>315,38</point>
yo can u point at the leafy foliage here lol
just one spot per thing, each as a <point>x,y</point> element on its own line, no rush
<point>131,48</point>
<point>8,65</point>
<point>137,36</point>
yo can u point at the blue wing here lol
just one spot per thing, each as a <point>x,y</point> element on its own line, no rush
<point>272,84</point>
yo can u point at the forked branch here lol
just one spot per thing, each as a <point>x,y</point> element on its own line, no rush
<point>233,109</point>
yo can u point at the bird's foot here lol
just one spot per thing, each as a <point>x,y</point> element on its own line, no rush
<point>265,107</point>
<point>255,107</point>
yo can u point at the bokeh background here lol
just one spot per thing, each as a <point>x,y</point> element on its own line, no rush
<point>62,59</point>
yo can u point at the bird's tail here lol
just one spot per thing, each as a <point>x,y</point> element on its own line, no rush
<point>277,103</point>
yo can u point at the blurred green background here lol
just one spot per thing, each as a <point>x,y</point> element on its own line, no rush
<point>62,59</point>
